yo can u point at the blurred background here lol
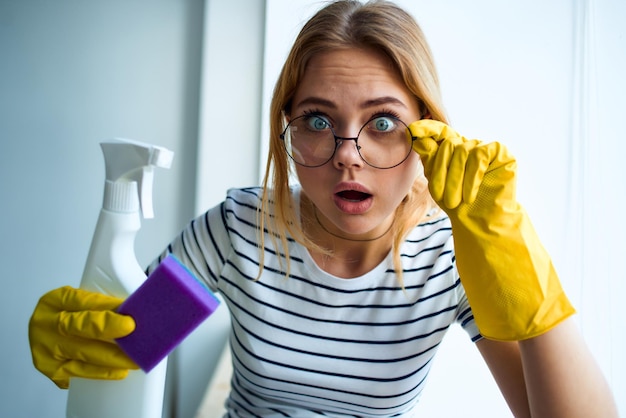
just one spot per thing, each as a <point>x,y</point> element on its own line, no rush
<point>196,76</point>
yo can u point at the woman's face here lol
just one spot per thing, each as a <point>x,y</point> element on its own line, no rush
<point>347,88</point>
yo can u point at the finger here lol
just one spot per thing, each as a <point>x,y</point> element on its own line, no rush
<point>426,148</point>
<point>457,175</point>
<point>478,163</point>
<point>96,353</point>
<point>52,359</point>
<point>499,156</point>
<point>88,371</point>
<point>440,179</point>
<point>428,133</point>
<point>439,170</point>
<point>72,299</point>
<point>433,129</point>
<point>61,380</point>
<point>99,325</point>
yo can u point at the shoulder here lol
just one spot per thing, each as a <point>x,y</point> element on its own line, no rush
<point>433,229</point>
<point>248,196</point>
<point>242,203</point>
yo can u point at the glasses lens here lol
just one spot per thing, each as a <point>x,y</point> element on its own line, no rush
<point>384,142</point>
<point>309,140</point>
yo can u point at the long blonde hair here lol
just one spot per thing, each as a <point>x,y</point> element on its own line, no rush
<point>378,25</point>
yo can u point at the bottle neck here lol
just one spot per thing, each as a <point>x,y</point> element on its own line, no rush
<point>121,196</point>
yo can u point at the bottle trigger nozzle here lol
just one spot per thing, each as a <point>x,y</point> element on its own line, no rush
<point>145,193</point>
<point>132,161</point>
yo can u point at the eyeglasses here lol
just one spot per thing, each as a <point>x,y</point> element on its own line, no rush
<point>383,142</point>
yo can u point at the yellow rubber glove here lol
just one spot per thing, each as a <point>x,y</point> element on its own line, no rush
<point>72,334</point>
<point>507,274</point>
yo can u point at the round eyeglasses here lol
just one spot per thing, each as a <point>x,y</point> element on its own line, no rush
<point>383,142</point>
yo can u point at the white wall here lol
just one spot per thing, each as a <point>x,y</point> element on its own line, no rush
<point>74,73</point>
<point>228,149</point>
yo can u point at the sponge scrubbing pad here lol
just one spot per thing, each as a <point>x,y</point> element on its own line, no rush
<point>166,308</point>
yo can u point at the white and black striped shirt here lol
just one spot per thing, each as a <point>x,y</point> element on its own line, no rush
<point>317,345</point>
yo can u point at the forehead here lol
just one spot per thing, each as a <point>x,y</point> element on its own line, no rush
<point>346,58</point>
<point>350,74</point>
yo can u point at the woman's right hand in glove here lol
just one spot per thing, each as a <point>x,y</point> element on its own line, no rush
<point>72,333</point>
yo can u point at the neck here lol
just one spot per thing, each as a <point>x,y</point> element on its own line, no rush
<point>344,256</point>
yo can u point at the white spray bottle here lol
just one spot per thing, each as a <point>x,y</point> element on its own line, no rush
<point>112,269</point>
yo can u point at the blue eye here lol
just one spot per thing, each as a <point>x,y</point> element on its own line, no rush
<point>383,124</point>
<point>318,123</point>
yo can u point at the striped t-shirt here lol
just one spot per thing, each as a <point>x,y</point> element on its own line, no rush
<point>314,344</point>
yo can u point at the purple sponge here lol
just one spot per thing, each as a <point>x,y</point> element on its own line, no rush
<point>167,307</point>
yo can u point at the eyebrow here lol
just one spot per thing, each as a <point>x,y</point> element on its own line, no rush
<point>365,105</point>
<point>382,101</point>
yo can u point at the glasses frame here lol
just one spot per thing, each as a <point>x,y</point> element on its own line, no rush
<point>339,140</point>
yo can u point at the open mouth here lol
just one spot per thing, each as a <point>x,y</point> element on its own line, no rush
<point>353,195</point>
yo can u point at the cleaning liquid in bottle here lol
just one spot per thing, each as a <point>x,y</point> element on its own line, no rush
<point>113,269</point>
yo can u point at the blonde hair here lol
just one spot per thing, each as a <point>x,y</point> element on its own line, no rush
<point>378,25</point>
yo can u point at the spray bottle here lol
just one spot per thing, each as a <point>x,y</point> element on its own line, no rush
<point>113,269</point>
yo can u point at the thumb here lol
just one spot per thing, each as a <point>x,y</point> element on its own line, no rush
<point>98,325</point>
<point>429,134</point>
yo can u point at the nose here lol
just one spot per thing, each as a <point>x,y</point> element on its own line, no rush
<point>347,153</point>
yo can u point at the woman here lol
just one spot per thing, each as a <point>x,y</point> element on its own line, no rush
<point>341,287</point>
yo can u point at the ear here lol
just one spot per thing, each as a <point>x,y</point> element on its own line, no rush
<point>286,117</point>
